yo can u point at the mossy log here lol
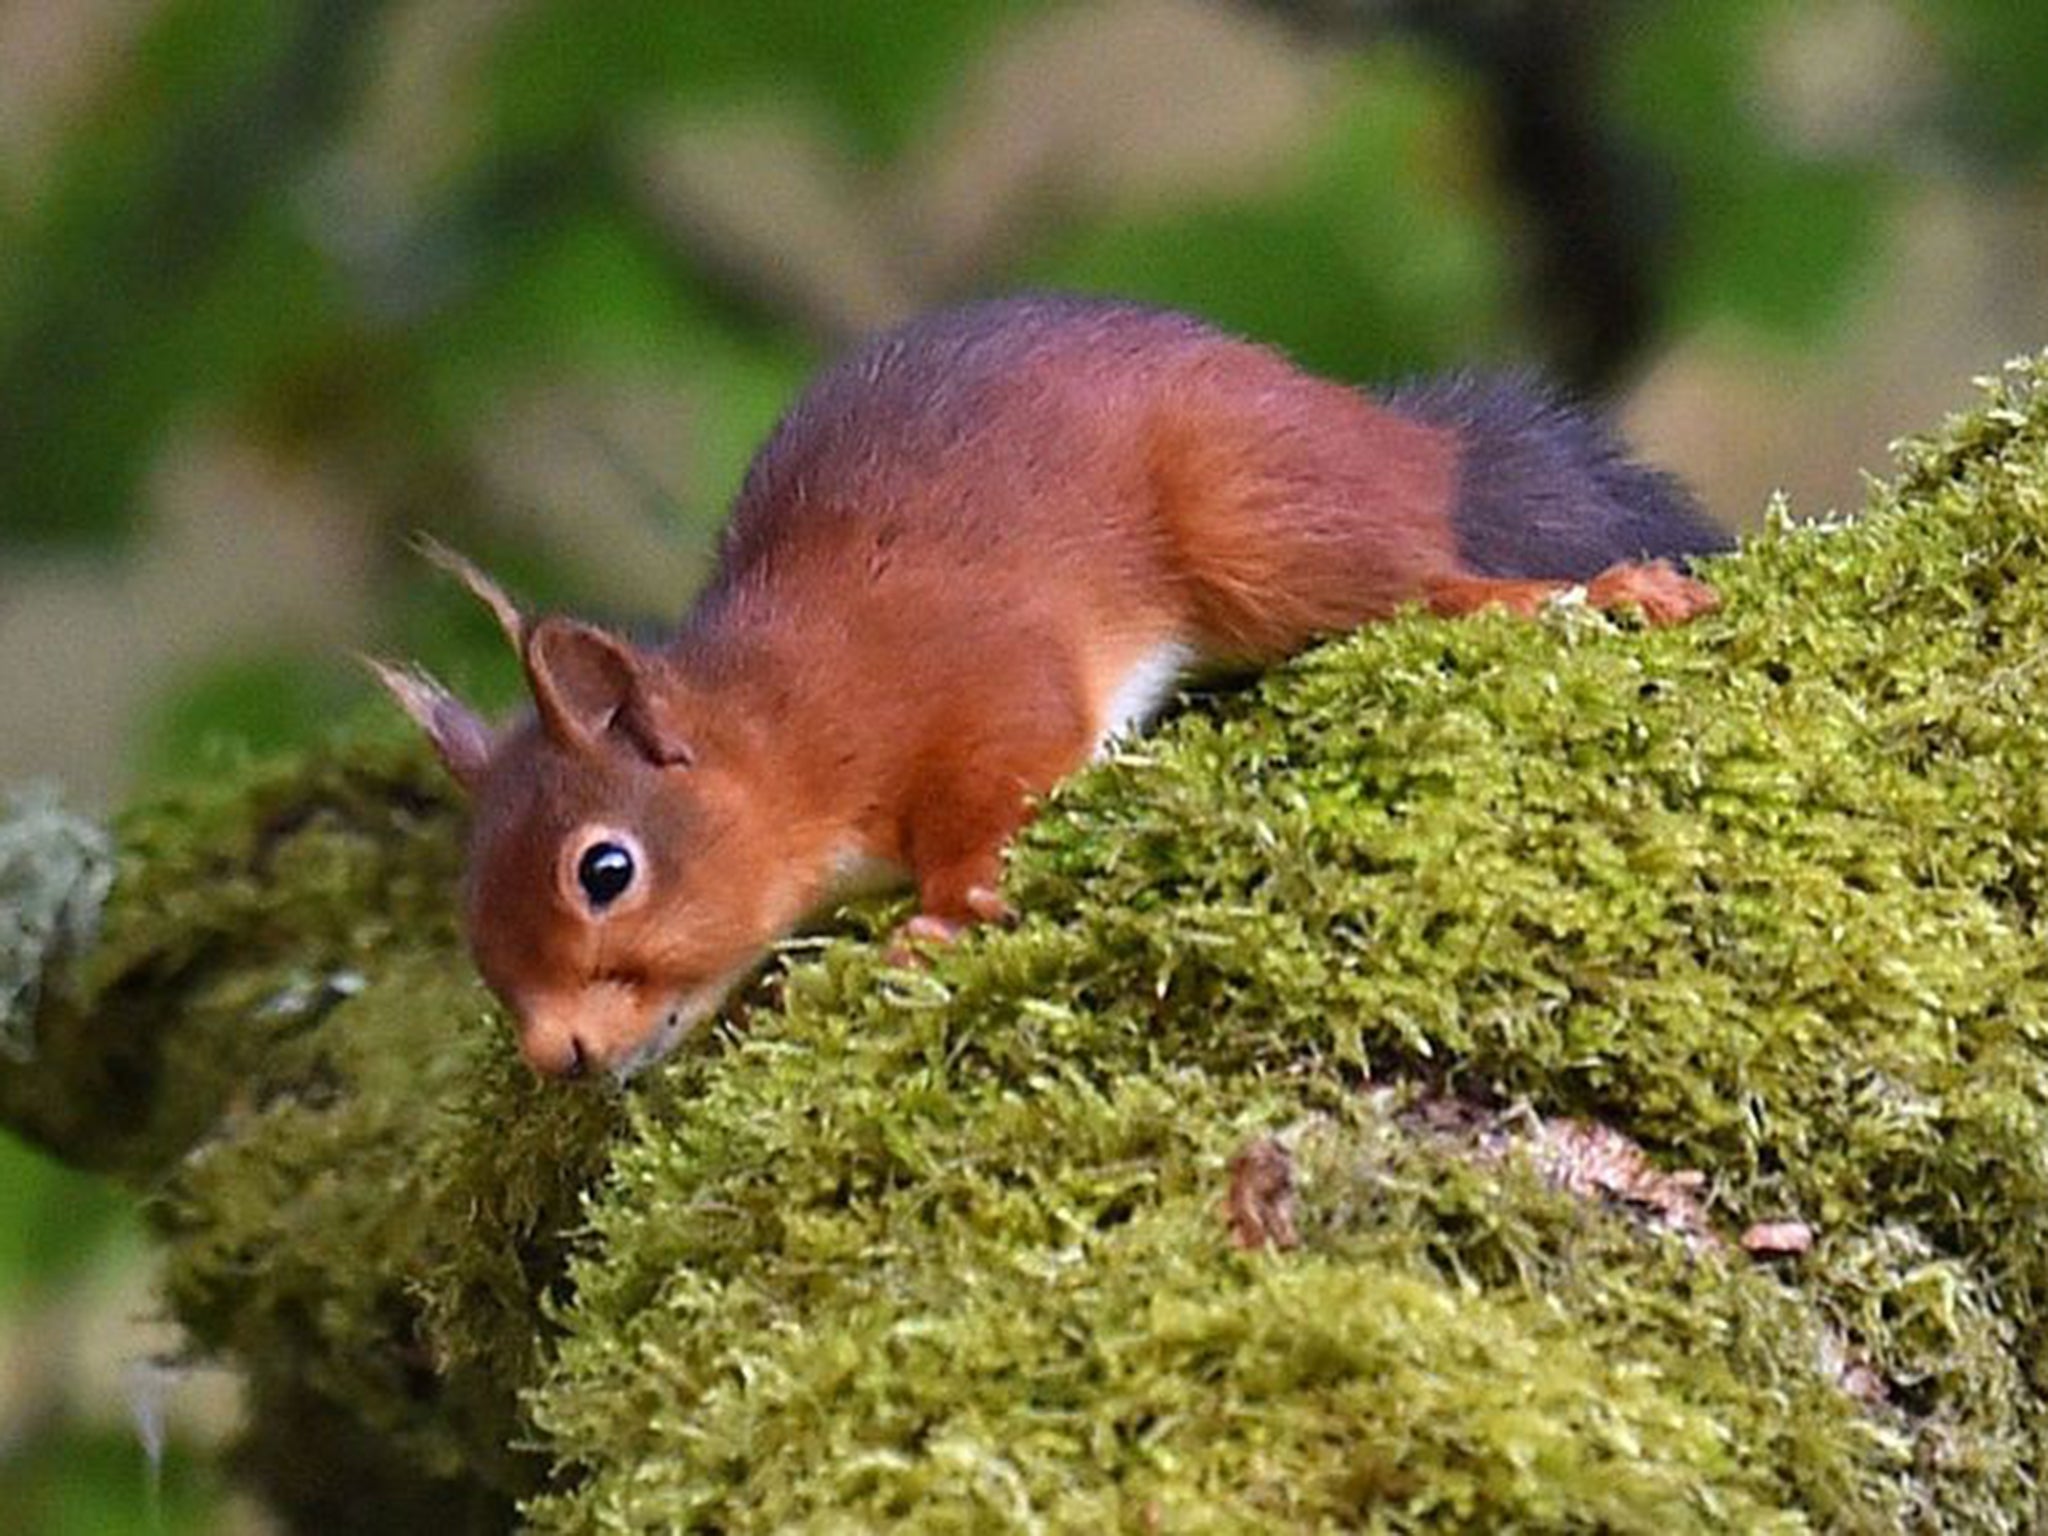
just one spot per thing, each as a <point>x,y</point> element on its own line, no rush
<point>1753,905</point>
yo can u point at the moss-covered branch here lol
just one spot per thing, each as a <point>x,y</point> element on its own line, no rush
<point>1760,894</point>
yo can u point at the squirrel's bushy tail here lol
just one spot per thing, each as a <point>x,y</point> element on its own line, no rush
<point>1547,489</point>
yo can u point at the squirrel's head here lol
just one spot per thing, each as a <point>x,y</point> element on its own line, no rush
<point>613,894</point>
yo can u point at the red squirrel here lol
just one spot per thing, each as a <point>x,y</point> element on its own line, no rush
<point>976,550</point>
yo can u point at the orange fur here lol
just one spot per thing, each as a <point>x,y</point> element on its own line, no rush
<point>944,583</point>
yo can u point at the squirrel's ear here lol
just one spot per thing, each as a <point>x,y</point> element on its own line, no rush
<point>460,737</point>
<point>587,683</point>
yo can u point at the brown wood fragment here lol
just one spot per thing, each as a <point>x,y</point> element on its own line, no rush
<point>1595,1161</point>
<point>1260,1206</point>
<point>1600,1165</point>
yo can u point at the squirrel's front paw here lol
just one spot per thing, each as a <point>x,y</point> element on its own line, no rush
<point>980,904</point>
<point>1663,593</point>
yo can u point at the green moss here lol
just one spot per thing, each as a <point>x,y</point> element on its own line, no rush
<point>1759,892</point>
<point>363,1196</point>
<point>945,1246</point>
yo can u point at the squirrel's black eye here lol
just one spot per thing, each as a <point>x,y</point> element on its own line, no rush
<point>604,872</point>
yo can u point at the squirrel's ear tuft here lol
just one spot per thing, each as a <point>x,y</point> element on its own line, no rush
<point>588,684</point>
<point>461,738</point>
<point>481,587</point>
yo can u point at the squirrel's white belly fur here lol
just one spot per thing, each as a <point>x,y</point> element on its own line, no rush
<point>1141,692</point>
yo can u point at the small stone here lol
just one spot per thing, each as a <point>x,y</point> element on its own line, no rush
<point>1775,1239</point>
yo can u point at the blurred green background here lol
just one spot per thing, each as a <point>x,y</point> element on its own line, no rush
<point>282,280</point>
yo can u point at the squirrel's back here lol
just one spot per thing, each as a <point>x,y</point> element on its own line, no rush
<point>960,419</point>
<point>1047,436</point>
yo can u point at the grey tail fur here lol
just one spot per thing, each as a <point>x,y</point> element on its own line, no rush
<point>1547,489</point>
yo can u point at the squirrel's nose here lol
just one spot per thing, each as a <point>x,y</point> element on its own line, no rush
<point>555,1053</point>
